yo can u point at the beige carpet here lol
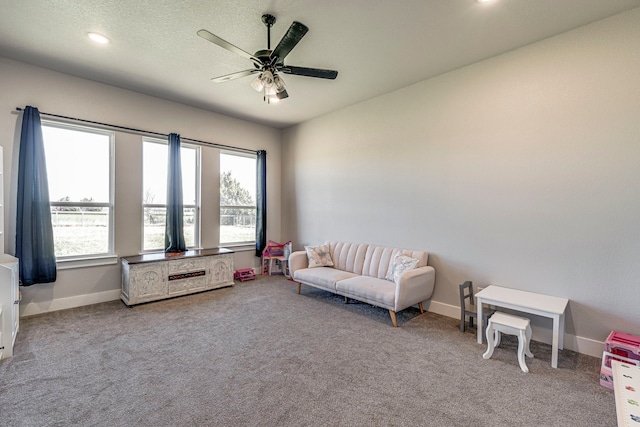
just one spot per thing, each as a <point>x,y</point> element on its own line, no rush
<point>259,354</point>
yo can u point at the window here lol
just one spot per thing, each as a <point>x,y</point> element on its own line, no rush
<point>154,197</point>
<point>237,198</point>
<point>80,176</point>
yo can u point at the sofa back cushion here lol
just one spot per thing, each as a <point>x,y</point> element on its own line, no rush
<point>369,260</point>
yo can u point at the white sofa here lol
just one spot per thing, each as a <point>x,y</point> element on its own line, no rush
<point>359,272</point>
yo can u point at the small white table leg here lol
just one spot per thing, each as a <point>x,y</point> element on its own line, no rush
<point>527,350</point>
<point>522,343</point>
<point>479,320</point>
<point>561,343</point>
<point>490,341</point>
<point>554,342</point>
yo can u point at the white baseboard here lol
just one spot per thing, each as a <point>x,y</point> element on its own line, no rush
<point>32,308</point>
<point>571,342</point>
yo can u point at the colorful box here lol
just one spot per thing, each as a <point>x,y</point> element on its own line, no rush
<point>274,249</point>
<point>618,346</point>
<point>244,274</point>
<point>622,344</point>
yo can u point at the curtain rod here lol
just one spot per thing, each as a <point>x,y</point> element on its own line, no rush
<point>211,144</point>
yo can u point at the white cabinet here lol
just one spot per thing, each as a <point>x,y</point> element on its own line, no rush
<point>9,304</point>
<point>1,200</point>
<point>153,277</point>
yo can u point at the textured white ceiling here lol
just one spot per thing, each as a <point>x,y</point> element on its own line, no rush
<point>376,45</point>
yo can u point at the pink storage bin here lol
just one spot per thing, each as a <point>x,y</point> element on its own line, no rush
<point>621,344</point>
<point>244,274</point>
<point>622,347</point>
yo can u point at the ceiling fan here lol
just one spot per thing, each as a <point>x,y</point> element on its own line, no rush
<point>269,63</point>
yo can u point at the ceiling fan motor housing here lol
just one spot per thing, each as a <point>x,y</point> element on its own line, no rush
<point>264,56</point>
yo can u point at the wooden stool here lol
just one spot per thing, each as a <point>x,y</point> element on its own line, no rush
<point>512,325</point>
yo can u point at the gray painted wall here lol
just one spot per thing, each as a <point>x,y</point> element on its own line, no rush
<point>522,171</point>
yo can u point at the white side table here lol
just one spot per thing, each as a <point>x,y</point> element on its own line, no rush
<point>528,302</point>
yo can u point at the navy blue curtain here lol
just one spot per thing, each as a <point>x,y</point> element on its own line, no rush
<point>261,202</point>
<point>174,231</point>
<point>34,232</point>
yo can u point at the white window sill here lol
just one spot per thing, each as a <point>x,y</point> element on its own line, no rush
<point>237,247</point>
<point>242,247</point>
<point>67,264</point>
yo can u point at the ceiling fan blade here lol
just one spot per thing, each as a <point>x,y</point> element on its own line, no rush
<point>294,34</point>
<point>234,76</point>
<point>309,72</point>
<point>226,45</point>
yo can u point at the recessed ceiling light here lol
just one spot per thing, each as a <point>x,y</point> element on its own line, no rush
<point>484,1</point>
<point>98,38</point>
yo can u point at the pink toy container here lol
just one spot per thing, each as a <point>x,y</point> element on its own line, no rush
<point>622,347</point>
<point>244,274</point>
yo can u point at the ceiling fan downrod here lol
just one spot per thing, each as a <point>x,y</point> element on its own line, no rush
<point>268,20</point>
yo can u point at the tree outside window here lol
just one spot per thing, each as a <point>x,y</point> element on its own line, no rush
<point>237,198</point>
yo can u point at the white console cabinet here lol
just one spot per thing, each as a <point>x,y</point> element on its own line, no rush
<point>9,304</point>
<point>152,277</point>
<point>1,200</point>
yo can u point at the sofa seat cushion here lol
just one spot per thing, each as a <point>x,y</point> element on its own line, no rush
<point>321,277</point>
<point>371,290</point>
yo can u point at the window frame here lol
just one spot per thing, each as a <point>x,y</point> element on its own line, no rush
<point>246,243</point>
<point>90,259</point>
<point>198,202</point>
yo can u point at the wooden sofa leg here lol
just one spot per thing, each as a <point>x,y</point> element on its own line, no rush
<point>346,300</point>
<point>420,307</point>
<point>299,285</point>
<point>393,318</point>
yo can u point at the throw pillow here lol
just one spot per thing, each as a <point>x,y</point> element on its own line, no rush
<point>399,265</point>
<point>319,256</point>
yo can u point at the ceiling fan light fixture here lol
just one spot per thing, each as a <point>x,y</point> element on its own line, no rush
<point>257,83</point>
<point>279,83</point>
<point>267,78</point>
<point>270,89</point>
